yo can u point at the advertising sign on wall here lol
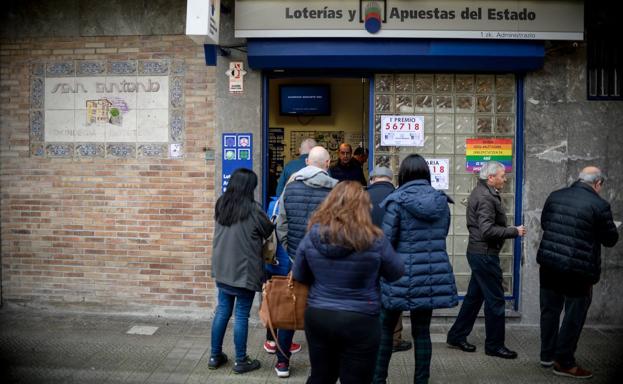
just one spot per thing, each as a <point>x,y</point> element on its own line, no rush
<point>479,151</point>
<point>402,130</point>
<point>453,19</point>
<point>439,173</point>
<point>237,153</point>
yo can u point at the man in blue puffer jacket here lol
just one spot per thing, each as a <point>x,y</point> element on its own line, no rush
<point>305,190</point>
<point>416,222</point>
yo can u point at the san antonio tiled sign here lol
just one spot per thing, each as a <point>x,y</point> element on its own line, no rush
<point>107,108</point>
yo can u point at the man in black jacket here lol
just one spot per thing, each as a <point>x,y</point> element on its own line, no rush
<point>576,222</point>
<point>347,168</point>
<point>380,187</point>
<point>486,223</point>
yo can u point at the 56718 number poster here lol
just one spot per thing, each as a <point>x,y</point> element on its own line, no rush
<point>402,130</point>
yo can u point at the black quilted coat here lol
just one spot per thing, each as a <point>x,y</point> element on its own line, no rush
<point>576,222</point>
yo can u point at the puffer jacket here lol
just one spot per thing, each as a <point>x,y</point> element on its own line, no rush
<point>486,221</point>
<point>416,223</point>
<point>342,279</point>
<point>576,222</point>
<point>302,195</point>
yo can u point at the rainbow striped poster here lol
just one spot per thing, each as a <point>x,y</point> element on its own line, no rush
<point>479,151</point>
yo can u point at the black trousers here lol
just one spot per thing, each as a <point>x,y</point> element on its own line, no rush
<point>341,345</point>
<point>485,285</point>
<point>559,341</point>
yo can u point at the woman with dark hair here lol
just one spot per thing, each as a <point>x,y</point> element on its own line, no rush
<point>342,257</point>
<point>416,222</point>
<point>237,265</point>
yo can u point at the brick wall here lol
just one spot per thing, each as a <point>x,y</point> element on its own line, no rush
<point>129,233</point>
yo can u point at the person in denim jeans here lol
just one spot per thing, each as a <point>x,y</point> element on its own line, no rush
<point>237,265</point>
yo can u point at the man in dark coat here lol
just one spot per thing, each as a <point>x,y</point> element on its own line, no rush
<point>380,187</point>
<point>486,223</point>
<point>576,222</point>
<point>347,168</point>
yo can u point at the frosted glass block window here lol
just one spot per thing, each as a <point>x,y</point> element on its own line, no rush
<point>464,104</point>
<point>444,124</point>
<point>455,107</point>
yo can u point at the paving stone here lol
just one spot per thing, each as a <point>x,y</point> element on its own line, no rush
<point>42,346</point>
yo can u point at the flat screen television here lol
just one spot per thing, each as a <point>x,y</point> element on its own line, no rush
<point>305,99</point>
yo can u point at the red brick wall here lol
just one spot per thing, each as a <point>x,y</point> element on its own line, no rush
<point>128,233</point>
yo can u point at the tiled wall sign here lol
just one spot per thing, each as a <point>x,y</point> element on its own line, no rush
<point>131,108</point>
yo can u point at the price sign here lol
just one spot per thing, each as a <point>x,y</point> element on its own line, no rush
<point>439,173</point>
<point>402,130</point>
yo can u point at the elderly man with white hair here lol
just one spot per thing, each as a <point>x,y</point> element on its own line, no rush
<point>486,223</point>
<point>295,165</point>
<point>576,222</point>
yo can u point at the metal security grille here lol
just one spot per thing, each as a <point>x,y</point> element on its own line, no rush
<point>455,107</point>
<point>605,66</point>
<point>604,51</point>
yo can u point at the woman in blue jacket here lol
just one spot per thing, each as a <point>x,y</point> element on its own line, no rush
<point>342,258</point>
<point>416,223</point>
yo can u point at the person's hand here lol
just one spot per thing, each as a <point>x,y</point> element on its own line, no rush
<point>521,230</point>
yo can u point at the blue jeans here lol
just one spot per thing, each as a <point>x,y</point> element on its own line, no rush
<point>485,285</point>
<point>224,309</point>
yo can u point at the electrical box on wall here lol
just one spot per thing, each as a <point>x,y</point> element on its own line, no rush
<point>202,20</point>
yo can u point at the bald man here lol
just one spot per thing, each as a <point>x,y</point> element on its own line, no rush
<point>576,222</point>
<point>305,190</point>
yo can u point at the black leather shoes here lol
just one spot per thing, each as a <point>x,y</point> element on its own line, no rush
<point>463,346</point>
<point>403,345</point>
<point>502,352</point>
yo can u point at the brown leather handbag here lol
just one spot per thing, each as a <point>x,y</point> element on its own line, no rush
<point>283,303</point>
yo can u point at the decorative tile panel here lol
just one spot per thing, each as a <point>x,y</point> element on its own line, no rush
<point>178,67</point>
<point>36,125</point>
<point>38,69</point>
<point>127,67</point>
<point>177,92</point>
<point>65,68</point>
<point>152,150</point>
<point>121,150</point>
<point>99,108</point>
<point>176,126</point>
<point>153,67</point>
<point>36,93</point>
<point>37,149</point>
<point>91,68</point>
<point>60,150</point>
<point>89,150</point>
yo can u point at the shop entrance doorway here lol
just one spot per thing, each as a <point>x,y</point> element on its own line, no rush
<point>331,110</point>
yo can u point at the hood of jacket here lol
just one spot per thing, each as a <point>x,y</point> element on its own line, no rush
<point>330,251</point>
<point>420,199</point>
<point>314,177</point>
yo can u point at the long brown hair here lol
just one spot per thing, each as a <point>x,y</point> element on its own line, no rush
<point>344,217</point>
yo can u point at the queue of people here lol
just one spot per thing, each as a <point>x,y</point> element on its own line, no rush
<point>369,254</point>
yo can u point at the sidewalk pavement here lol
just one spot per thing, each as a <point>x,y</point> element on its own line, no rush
<point>50,346</point>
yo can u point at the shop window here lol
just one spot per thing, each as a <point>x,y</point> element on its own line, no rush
<point>454,108</point>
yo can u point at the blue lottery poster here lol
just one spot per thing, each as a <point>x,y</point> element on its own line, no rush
<point>237,153</point>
